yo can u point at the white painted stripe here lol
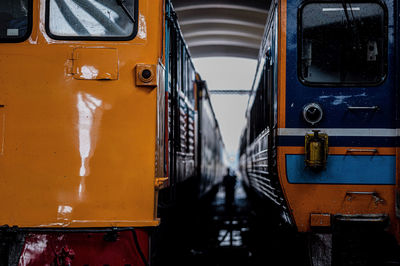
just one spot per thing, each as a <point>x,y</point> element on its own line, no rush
<point>342,132</point>
<point>329,9</point>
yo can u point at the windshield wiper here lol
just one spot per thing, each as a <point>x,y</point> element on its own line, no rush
<point>351,22</point>
<point>121,3</point>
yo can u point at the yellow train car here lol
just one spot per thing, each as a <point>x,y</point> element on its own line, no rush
<point>84,130</point>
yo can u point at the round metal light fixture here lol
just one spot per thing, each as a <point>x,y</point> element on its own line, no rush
<point>312,113</point>
<point>146,75</point>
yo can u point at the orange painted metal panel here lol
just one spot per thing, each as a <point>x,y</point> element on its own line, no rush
<point>320,220</point>
<point>305,199</point>
<point>95,63</point>
<point>2,128</point>
<point>282,64</point>
<point>312,204</point>
<point>397,195</point>
<point>78,153</point>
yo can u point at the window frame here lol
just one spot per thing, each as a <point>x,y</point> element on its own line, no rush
<point>342,84</point>
<point>29,27</point>
<point>93,38</point>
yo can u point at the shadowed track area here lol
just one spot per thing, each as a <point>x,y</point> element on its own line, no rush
<point>208,234</point>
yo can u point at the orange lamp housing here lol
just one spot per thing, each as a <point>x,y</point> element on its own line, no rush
<point>316,150</point>
<point>146,75</point>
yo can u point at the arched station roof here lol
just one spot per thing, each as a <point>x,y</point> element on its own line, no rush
<point>222,27</point>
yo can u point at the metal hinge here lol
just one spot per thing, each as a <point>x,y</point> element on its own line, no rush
<point>160,182</point>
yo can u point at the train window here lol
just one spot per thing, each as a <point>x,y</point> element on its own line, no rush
<point>184,72</point>
<point>342,43</point>
<point>15,21</point>
<point>178,66</point>
<point>91,19</point>
<point>192,80</point>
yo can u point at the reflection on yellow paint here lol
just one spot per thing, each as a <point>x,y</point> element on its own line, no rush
<point>89,118</point>
<point>89,72</point>
<point>64,212</point>
<point>142,30</point>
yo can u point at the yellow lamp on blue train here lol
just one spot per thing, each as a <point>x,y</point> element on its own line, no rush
<point>316,150</point>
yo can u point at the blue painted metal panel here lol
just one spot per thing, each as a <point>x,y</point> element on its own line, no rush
<point>344,169</point>
<point>335,100</point>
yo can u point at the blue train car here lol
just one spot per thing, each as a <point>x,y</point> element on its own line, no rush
<point>321,140</point>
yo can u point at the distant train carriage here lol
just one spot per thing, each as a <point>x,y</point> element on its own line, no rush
<point>98,113</point>
<point>321,135</point>
<point>195,156</point>
<point>212,159</point>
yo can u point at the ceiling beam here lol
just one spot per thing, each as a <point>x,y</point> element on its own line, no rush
<point>239,92</point>
<point>222,27</point>
<point>260,4</point>
<point>223,50</point>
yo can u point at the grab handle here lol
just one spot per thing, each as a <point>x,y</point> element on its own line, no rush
<point>374,195</point>
<point>361,108</point>
<point>362,150</point>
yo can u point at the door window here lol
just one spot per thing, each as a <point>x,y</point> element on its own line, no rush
<point>91,19</point>
<point>342,43</point>
<point>15,22</point>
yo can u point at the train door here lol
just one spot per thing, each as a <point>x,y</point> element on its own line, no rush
<point>340,81</point>
<point>343,84</point>
<point>343,64</point>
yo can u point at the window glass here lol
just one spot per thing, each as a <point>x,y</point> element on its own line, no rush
<point>179,66</point>
<point>342,43</point>
<point>14,19</point>
<point>185,73</point>
<point>90,18</point>
<point>192,80</point>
